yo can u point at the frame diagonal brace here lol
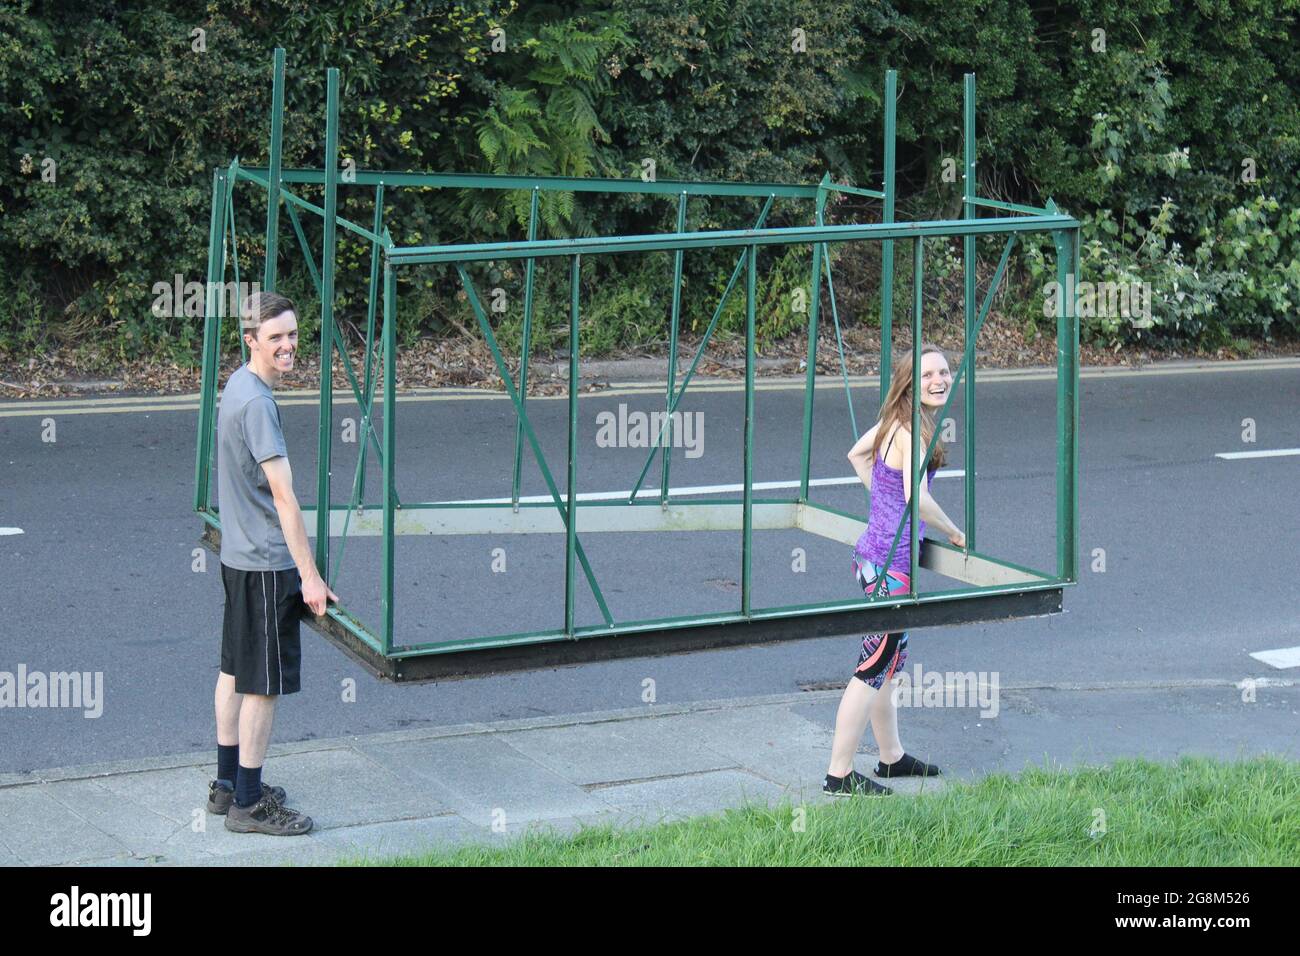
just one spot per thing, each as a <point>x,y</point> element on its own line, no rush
<point>368,383</point>
<point>699,352</point>
<point>234,250</point>
<point>302,244</point>
<point>839,345</point>
<point>814,312</point>
<point>289,197</point>
<point>358,485</point>
<point>481,316</point>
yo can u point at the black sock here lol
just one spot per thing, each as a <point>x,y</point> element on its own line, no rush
<point>227,762</point>
<point>248,786</point>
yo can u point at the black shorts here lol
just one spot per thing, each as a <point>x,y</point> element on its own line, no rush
<point>260,643</point>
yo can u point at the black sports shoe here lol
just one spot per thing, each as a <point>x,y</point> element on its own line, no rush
<point>906,766</point>
<point>221,796</point>
<point>267,816</point>
<point>854,784</point>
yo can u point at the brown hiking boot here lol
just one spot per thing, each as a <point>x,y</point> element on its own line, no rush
<point>267,816</point>
<point>221,796</point>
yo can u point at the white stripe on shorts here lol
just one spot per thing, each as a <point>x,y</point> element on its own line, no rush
<point>279,658</point>
<point>266,631</point>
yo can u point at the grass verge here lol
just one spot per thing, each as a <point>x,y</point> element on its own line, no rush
<point>1196,812</point>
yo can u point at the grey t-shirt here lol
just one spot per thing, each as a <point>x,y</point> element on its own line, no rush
<point>248,433</point>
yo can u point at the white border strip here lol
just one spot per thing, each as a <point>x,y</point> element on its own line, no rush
<point>692,490</point>
<point>1280,658</point>
<point>1273,453</point>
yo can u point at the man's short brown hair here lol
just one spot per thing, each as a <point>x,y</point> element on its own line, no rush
<point>261,307</point>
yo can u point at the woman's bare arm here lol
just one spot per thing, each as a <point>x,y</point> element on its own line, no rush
<point>931,513</point>
<point>862,453</point>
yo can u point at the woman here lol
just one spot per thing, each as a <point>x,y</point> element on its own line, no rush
<point>883,460</point>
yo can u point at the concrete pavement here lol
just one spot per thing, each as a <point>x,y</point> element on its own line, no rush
<point>410,791</point>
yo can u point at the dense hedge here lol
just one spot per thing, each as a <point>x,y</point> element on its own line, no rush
<point>1173,133</point>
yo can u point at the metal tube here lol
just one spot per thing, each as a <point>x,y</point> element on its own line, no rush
<point>699,352</point>
<point>368,385</point>
<point>855,191</point>
<point>666,431</point>
<point>844,371</point>
<point>390,449</point>
<point>273,170</point>
<point>326,426</point>
<point>584,184</point>
<point>529,274</point>
<point>810,371</point>
<point>1072,546</point>
<point>918,464</point>
<point>728,238</point>
<point>747,533</point>
<point>571,523</point>
<point>839,343</point>
<point>234,249</point>
<point>1009,206</point>
<point>968,257</point>
<point>211,346</point>
<point>480,316</point>
<point>302,244</point>
<point>1066,409</point>
<point>290,199</point>
<point>887,248</point>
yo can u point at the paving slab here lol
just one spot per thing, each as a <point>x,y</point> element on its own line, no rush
<point>40,831</point>
<point>621,750</point>
<point>674,798</point>
<point>773,742</point>
<point>106,809</point>
<point>484,779</point>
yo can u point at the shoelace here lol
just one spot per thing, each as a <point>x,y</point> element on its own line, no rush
<point>277,813</point>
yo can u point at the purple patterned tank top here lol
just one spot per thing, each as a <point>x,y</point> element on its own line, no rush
<point>888,506</point>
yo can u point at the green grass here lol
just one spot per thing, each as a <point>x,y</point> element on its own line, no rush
<point>1197,812</point>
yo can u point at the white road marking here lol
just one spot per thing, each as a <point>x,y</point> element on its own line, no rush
<point>692,490</point>
<point>1280,658</point>
<point>1273,453</point>
<point>4,531</point>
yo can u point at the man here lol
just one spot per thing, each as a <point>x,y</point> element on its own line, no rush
<point>267,569</point>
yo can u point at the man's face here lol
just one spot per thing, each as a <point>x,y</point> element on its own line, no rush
<point>275,343</point>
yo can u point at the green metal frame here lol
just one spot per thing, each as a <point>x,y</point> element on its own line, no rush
<point>991,588</point>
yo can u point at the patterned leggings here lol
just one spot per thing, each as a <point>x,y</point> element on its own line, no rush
<point>882,654</point>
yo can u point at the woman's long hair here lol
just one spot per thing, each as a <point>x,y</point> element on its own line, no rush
<point>897,409</point>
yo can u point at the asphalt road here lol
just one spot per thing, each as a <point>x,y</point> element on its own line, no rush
<point>1200,552</point>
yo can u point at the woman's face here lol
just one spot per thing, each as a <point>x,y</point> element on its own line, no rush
<point>936,379</point>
